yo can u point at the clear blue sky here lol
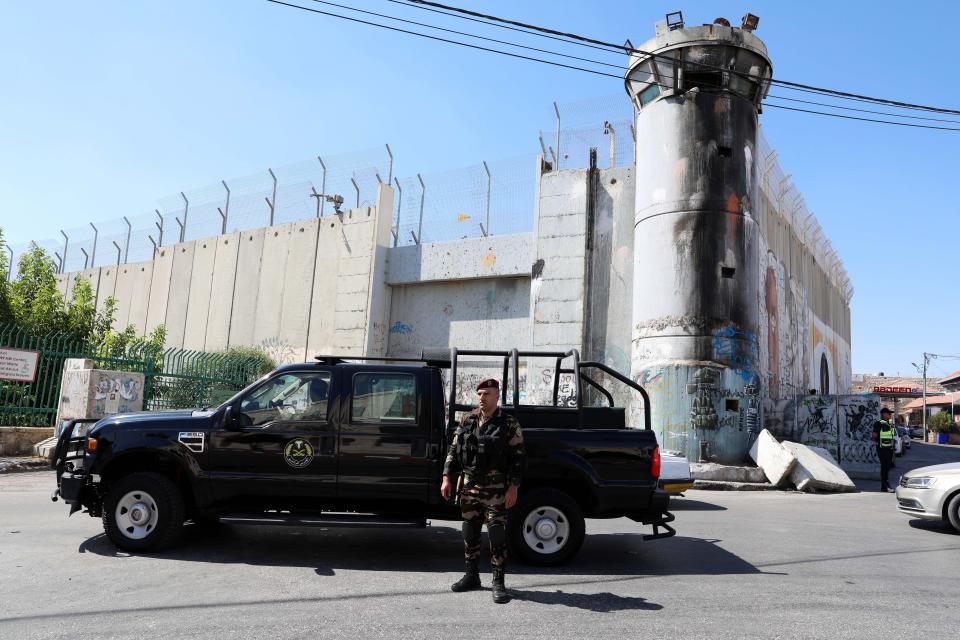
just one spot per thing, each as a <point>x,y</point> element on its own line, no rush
<point>108,106</point>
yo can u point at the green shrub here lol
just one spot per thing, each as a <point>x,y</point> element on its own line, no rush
<point>943,423</point>
<point>261,361</point>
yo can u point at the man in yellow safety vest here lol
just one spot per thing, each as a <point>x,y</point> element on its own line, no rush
<point>883,435</point>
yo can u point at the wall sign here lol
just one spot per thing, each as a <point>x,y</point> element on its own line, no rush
<point>895,390</point>
<point>19,365</point>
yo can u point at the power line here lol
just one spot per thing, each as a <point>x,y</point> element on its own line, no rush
<point>572,57</point>
<point>501,26</point>
<point>882,113</point>
<point>840,115</point>
<point>786,83</point>
<point>470,35</point>
<point>456,42</point>
<point>583,69</point>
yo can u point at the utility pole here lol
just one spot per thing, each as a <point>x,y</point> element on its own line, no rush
<point>926,360</point>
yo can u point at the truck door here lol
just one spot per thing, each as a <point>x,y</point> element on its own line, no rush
<point>281,448</point>
<point>384,439</point>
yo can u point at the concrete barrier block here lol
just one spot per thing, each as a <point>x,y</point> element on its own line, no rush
<point>776,461</point>
<point>816,470</point>
<point>45,448</point>
<point>727,473</point>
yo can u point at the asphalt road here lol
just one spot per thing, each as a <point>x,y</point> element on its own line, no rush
<point>744,565</point>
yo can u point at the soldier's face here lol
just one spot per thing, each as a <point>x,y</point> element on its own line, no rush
<point>487,399</point>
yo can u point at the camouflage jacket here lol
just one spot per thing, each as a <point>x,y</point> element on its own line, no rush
<point>488,452</point>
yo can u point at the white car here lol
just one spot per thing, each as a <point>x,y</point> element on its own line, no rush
<point>931,493</point>
<point>675,475</point>
<point>897,442</point>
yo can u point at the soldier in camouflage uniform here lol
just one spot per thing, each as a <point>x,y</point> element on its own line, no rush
<point>487,449</point>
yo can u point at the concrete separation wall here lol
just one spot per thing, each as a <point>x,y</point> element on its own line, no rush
<point>469,259</point>
<point>294,289</point>
<point>840,424</point>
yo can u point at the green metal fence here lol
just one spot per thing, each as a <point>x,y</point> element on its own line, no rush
<point>173,378</point>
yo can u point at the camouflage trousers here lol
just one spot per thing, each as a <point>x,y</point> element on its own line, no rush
<point>481,503</point>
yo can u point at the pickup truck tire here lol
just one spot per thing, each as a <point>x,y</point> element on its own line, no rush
<point>143,512</point>
<point>546,527</point>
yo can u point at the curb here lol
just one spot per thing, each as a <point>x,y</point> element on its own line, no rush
<point>724,485</point>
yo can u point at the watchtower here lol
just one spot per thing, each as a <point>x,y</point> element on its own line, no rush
<point>697,92</point>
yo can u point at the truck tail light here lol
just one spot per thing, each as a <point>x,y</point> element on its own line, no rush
<point>655,467</point>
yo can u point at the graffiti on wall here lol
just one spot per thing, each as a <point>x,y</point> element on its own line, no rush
<point>841,424</point>
<point>739,349</point>
<point>280,350</point>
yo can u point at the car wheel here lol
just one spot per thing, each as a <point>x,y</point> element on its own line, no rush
<point>953,512</point>
<point>546,527</point>
<point>143,512</point>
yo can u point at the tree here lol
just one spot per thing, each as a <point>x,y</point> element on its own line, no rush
<point>6,315</point>
<point>35,301</point>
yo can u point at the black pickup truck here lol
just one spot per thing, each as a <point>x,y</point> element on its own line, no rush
<point>360,442</point>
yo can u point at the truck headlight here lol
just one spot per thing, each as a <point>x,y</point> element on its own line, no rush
<point>80,430</point>
<point>920,482</point>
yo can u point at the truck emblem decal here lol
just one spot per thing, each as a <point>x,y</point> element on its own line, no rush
<point>298,453</point>
<point>192,440</point>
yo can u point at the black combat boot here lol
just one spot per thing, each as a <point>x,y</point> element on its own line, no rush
<point>470,579</point>
<point>499,591</point>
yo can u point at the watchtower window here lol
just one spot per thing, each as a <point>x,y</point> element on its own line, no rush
<point>702,78</point>
<point>649,94</point>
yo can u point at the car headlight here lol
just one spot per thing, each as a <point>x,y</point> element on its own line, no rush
<point>80,430</point>
<point>920,482</point>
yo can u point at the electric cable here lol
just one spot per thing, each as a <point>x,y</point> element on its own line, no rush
<point>469,35</point>
<point>882,113</point>
<point>840,115</point>
<point>627,49</point>
<point>573,67</point>
<point>456,42</point>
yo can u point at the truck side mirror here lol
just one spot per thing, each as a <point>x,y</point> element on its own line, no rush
<point>231,417</point>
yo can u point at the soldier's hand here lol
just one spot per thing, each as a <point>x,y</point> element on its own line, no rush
<point>446,488</point>
<point>511,497</point>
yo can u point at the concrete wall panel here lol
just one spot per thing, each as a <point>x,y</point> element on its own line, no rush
<point>298,287</point>
<point>159,288</point>
<point>322,325</point>
<point>266,326</point>
<point>108,285</point>
<point>491,257</point>
<point>247,287</point>
<point>222,292</point>
<point>479,314</point>
<point>178,302</point>
<point>198,302</point>
<point>140,295</point>
<point>123,290</point>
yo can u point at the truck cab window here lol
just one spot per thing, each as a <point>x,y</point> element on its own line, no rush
<point>384,397</point>
<point>291,396</point>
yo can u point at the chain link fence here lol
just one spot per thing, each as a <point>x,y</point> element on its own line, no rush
<point>273,196</point>
<point>605,123</point>
<point>490,197</point>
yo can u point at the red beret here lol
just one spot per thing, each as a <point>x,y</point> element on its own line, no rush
<point>489,383</point>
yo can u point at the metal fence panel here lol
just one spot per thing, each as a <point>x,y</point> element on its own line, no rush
<point>173,379</point>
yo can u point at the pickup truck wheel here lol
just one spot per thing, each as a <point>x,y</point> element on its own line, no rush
<point>143,512</point>
<point>546,527</point>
